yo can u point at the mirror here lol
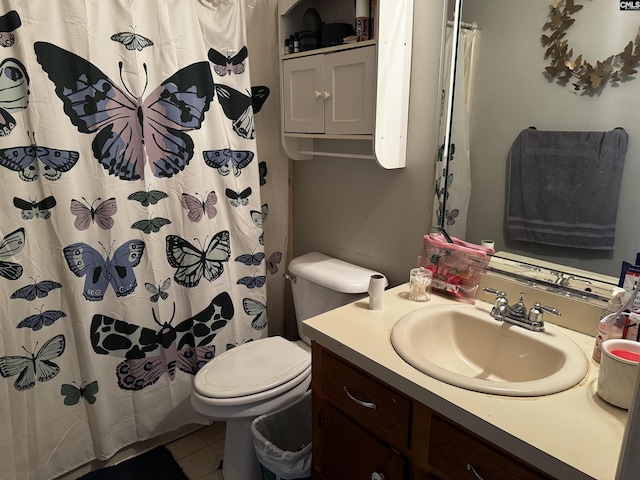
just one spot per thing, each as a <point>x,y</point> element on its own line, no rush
<point>511,92</point>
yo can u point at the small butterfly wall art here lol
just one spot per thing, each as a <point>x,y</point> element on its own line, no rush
<point>149,354</point>
<point>131,131</point>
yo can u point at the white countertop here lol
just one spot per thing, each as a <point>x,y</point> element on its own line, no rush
<point>571,435</point>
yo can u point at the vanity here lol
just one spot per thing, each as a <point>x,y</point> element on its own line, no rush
<point>375,416</point>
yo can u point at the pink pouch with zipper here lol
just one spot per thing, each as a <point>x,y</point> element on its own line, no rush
<point>456,266</point>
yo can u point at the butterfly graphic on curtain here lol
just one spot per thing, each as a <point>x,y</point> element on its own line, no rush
<point>132,40</point>
<point>254,281</point>
<point>9,22</point>
<point>33,161</point>
<point>73,393</point>
<point>38,367</point>
<point>250,259</point>
<point>259,217</point>
<point>34,209</point>
<point>158,291</point>
<point>148,197</point>
<point>197,208</point>
<point>41,319</point>
<point>128,129</point>
<point>262,171</point>
<point>36,290</point>
<point>193,263</point>
<point>86,261</point>
<point>228,64</point>
<point>151,225</point>
<point>149,353</point>
<point>240,108</point>
<point>238,198</point>
<point>258,310</point>
<point>100,215</point>
<point>11,245</point>
<point>227,160</point>
<point>14,93</point>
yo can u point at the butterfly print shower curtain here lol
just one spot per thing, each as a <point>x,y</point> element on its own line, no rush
<point>125,262</point>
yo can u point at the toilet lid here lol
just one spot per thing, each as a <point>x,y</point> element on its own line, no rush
<point>251,368</point>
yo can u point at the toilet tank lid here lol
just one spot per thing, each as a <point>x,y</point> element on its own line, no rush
<point>332,273</point>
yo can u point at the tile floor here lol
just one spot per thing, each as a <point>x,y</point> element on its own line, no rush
<point>200,453</point>
<point>197,449</point>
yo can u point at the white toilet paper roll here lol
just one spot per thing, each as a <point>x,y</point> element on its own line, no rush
<point>376,292</point>
<point>362,8</point>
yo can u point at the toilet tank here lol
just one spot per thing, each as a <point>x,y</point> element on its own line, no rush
<point>322,283</point>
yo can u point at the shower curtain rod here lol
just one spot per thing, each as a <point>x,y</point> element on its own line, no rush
<point>467,25</point>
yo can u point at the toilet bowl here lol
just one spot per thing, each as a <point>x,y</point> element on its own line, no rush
<point>266,375</point>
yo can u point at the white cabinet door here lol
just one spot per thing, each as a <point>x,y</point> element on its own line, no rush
<point>303,94</point>
<point>349,82</point>
<point>331,93</point>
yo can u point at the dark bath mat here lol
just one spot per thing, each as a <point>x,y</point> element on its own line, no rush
<point>156,464</point>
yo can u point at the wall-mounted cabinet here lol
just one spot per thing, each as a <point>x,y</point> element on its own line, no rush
<point>349,100</point>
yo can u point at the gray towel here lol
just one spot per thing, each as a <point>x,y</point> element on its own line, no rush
<point>564,187</point>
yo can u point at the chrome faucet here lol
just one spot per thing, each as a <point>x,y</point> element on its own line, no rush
<point>517,313</point>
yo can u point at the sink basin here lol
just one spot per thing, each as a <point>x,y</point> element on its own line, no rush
<point>464,346</point>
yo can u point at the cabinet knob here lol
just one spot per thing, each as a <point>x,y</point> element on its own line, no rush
<point>377,476</point>
<point>317,94</point>
<point>326,95</point>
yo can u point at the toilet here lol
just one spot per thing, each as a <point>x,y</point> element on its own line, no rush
<point>266,375</point>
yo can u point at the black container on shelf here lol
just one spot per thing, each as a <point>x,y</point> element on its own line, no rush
<point>333,33</point>
<point>310,30</point>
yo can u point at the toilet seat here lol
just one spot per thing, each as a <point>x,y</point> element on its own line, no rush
<point>252,372</point>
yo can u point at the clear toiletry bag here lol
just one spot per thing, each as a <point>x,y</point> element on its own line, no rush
<point>456,266</point>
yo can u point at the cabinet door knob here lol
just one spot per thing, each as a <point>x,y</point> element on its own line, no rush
<point>326,95</point>
<point>317,93</point>
<point>377,476</point>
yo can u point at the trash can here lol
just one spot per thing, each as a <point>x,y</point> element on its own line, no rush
<point>282,441</point>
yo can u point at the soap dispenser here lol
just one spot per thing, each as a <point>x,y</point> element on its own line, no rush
<point>608,326</point>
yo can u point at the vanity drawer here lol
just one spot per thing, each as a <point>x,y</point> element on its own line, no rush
<point>378,408</point>
<point>453,451</point>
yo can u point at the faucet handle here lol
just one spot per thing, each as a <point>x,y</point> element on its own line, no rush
<point>497,293</point>
<point>535,313</point>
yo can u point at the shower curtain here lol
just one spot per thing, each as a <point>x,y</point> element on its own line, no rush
<point>453,217</point>
<point>131,239</point>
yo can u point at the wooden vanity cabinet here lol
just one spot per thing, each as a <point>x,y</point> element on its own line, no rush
<point>366,429</point>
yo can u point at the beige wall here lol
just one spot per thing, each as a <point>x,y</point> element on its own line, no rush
<point>359,212</point>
